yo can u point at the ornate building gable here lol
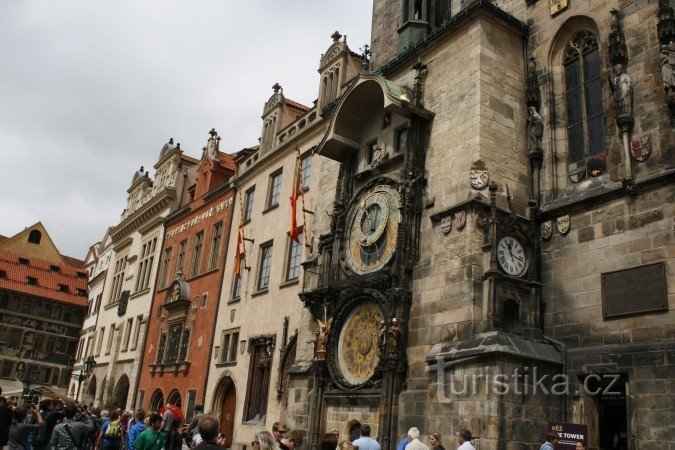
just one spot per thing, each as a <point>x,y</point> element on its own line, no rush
<point>277,114</point>
<point>338,65</point>
<point>214,168</point>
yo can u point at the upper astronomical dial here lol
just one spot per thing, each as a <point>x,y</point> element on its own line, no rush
<point>372,226</point>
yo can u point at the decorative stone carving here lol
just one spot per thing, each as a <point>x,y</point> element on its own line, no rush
<point>418,83</point>
<point>481,218</point>
<point>446,224</point>
<point>546,230</point>
<point>621,86</point>
<point>563,224</point>
<point>460,220</point>
<point>618,52</point>
<point>667,64</point>
<point>479,175</point>
<point>382,338</point>
<point>532,91</point>
<point>641,148</point>
<point>535,130</point>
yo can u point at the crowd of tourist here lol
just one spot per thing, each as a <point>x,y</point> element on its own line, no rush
<point>53,424</point>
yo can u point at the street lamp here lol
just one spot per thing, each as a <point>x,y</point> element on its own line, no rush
<point>89,364</point>
<point>27,377</point>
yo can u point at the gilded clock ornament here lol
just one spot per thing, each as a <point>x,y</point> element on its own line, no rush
<point>511,256</point>
<point>372,226</point>
<point>358,345</point>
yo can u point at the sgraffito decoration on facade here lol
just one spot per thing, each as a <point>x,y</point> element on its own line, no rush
<point>198,219</point>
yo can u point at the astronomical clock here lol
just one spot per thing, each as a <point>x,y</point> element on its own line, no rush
<point>372,229</point>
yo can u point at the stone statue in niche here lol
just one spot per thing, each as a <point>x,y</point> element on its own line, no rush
<point>667,64</point>
<point>382,337</point>
<point>535,130</point>
<point>395,338</point>
<point>621,86</point>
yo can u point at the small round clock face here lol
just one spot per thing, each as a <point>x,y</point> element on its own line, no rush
<point>511,256</point>
<point>371,236</point>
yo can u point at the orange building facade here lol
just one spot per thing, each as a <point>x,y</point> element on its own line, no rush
<point>175,360</point>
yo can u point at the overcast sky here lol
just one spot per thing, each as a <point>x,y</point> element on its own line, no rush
<point>91,90</point>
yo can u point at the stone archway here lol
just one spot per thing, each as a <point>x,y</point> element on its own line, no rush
<point>174,398</point>
<point>156,401</point>
<point>89,392</point>
<point>224,405</point>
<point>121,392</point>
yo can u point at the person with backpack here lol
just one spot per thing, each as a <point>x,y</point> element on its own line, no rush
<point>151,438</point>
<point>20,431</point>
<point>71,434</point>
<point>111,432</point>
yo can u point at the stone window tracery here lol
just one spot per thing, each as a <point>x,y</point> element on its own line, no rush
<point>583,96</point>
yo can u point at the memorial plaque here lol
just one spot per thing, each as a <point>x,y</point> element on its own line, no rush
<point>633,291</point>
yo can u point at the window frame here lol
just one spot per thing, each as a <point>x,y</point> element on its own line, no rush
<point>216,242</point>
<point>145,265</point>
<point>197,251</point>
<point>305,170</point>
<point>298,246</point>
<point>274,188</point>
<point>399,131</point>
<point>265,266</point>
<point>249,199</point>
<point>229,345</point>
<point>166,265</point>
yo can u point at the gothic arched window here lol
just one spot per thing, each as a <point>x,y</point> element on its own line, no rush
<point>583,95</point>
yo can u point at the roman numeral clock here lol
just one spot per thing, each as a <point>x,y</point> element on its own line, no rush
<point>512,257</point>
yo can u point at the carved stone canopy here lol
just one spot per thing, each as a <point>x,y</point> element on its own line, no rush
<point>177,296</point>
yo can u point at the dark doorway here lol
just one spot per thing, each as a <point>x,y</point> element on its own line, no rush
<point>612,414</point>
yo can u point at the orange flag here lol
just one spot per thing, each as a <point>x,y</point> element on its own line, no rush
<point>296,193</point>
<point>239,255</point>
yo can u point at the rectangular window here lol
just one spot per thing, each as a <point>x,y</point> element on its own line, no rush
<point>184,345</point>
<point>118,280</point>
<point>191,397</point>
<point>265,266</point>
<point>7,369</point>
<point>127,334</point>
<point>197,253</point>
<point>90,343</point>
<point>257,389</point>
<point>80,347</point>
<point>63,288</point>
<point>274,190</point>
<point>181,256</point>
<point>401,139</point>
<point>294,258</point>
<point>137,332</point>
<point>160,348</point>
<point>145,266</point>
<point>575,127</point>
<point>306,169</point>
<point>166,262</point>
<point>230,343</point>
<point>31,280</point>
<point>101,332</point>
<point>215,245</point>
<point>236,288</point>
<point>203,301</point>
<point>110,339</point>
<point>248,204</point>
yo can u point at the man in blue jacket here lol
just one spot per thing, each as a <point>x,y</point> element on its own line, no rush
<point>137,428</point>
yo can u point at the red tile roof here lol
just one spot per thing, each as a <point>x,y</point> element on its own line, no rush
<point>226,160</point>
<point>296,105</point>
<point>189,159</point>
<point>47,286</point>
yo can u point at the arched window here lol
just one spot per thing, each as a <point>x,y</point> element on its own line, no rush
<point>583,97</point>
<point>34,237</point>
